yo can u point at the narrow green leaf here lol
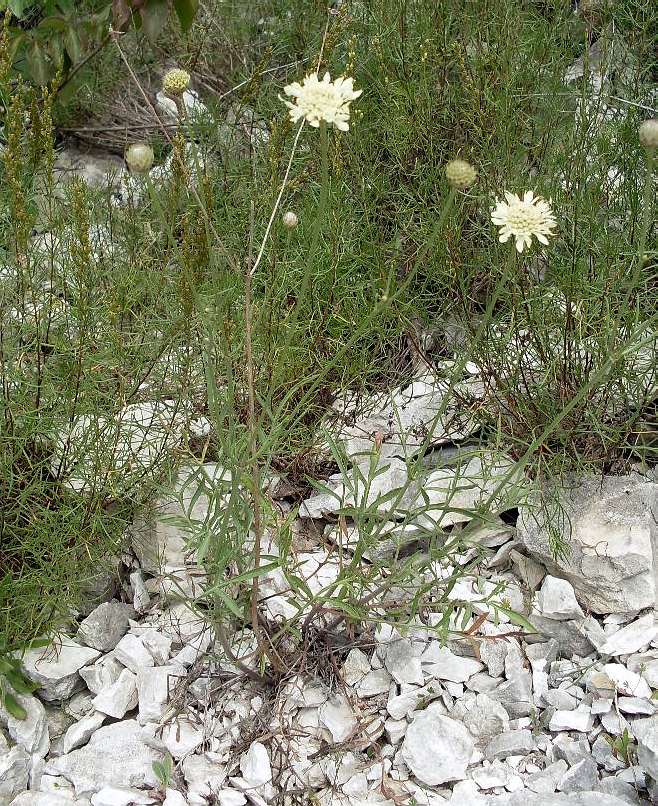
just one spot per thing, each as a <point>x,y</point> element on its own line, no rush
<point>186,11</point>
<point>19,683</point>
<point>517,618</point>
<point>10,704</point>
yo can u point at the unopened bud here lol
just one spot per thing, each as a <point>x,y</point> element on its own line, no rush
<point>176,82</point>
<point>289,220</point>
<point>648,133</point>
<point>139,157</point>
<point>460,174</point>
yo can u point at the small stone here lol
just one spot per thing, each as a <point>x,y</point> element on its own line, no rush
<point>402,663</point>
<point>579,719</point>
<point>132,653</point>
<point>255,765</point>
<point>119,796</point>
<point>631,638</point>
<point>116,756</point>
<point>560,699</point>
<point>439,662</point>
<point>14,773</point>
<point>141,596</point>
<point>403,704</point>
<point>556,599</point>
<point>104,626</point>
<point>486,720</point>
<point>546,781</point>
<point>571,750</point>
<point>80,732</point>
<point>102,674</point>
<point>120,697</point>
<point>512,743</point>
<point>337,716</point>
<point>515,695</point>
<point>646,733</point>
<point>30,733</point>
<point>583,776</point>
<point>436,748</point>
<point>395,730</point>
<point>158,644</point>
<point>56,667</point>
<point>153,687</point>
<point>377,681</point>
<point>627,682</point>
<point>182,737</point>
<point>636,705</point>
<point>355,667</point>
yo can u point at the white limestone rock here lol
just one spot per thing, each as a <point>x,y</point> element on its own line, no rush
<point>162,538</point>
<point>556,599</point>
<point>121,796</point>
<point>442,664</point>
<point>80,732</point>
<point>14,773</point>
<point>102,674</point>
<point>436,748</point>
<point>376,681</point>
<point>337,716</point>
<point>153,687</point>
<point>255,765</point>
<point>116,755</point>
<point>626,682</point>
<point>104,626</point>
<point>579,719</point>
<point>646,734</point>
<point>389,482</point>
<point>631,638</point>
<point>48,799</point>
<point>612,536</point>
<point>56,667</point>
<point>132,653</point>
<point>355,667</point>
<point>403,662</point>
<point>30,733</point>
<point>182,737</point>
<point>120,697</point>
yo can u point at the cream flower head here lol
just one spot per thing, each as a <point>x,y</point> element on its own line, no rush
<point>322,100</point>
<point>176,81</point>
<point>460,174</point>
<point>523,218</point>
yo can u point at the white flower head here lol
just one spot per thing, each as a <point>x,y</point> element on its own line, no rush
<point>523,218</point>
<point>322,100</point>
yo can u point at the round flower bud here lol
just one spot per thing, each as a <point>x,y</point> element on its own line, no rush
<point>289,220</point>
<point>176,82</point>
<point>460,174</point>
<point>648,133</point>
<point>139,157</point>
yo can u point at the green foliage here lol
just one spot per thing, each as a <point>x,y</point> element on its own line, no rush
<point>162,770</point>
<point>51,39</point>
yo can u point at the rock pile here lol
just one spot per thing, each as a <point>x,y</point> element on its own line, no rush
<point>496,715</point>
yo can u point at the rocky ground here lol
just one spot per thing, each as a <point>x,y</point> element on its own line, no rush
<point>495,714</point>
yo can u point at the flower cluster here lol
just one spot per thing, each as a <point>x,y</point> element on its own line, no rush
<point>460,174</point>
<point>175,82</point>
<point>326,100</point>
<point>523,218</point>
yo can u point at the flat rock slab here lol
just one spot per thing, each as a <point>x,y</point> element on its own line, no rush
<point>610,527</point>
<point>436,748</point>
<point>115,756</point>
<point>56,668</point>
